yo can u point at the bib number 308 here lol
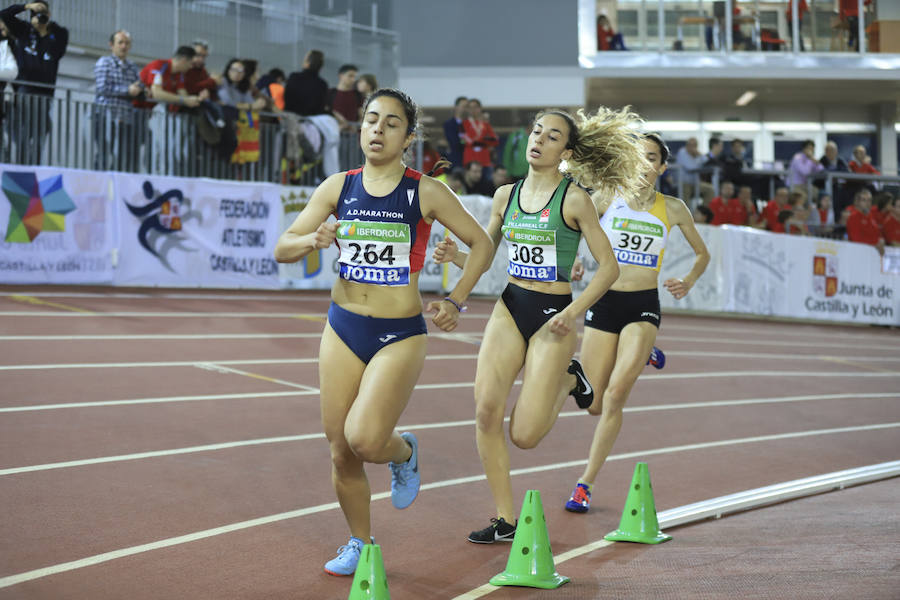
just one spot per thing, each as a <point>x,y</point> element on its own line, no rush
<point>528,254</point>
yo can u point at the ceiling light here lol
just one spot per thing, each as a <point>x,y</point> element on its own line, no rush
<point>746,98</point>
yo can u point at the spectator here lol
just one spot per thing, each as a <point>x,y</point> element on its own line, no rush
<point>802,9</point>
<point>235,88</point>
<point>821,216</point>
<point>455,181</point>
<point>861,226</point>
<point>713,159</point>
<point>743,211</point>
<point>165,80</point>
<point>849,14</point>
<point>39,46</point>
<point>366,84</point>
<point>453,131</point>
<point>703,214</point>
<point>500,177</point>
<point>881,203</point>
<point>689,162</point>
<point>479,136</point>
<point>723,204</point>
<point>735,162</point>
<point>9,70</point>
<point>831,161</point>
<point>430,156</point>
<point>514,153</point>
<point>344,100</point>
<point>305,94</point>
<point>607,38</point>
<point>795,223</point>
<point>803,165</point>
<point>474,181</point>
<point>862,162</point>
<point>891,227</point>
<point>774,208</point>
<point>118,83</point>
<point>272,85</point>
<point>197,81</point>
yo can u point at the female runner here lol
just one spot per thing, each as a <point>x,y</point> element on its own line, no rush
<point>533,324</point>
<point>373,346</point>
<point>620,329</point>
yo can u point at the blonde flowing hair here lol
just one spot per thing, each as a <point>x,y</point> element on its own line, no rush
<point>607,151</point>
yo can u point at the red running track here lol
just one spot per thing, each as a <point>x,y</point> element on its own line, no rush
<point>167,444</point>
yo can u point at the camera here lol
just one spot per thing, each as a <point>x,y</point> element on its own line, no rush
<point>43,18</point>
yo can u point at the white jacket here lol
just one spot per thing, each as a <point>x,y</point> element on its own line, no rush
<point>8,68</point>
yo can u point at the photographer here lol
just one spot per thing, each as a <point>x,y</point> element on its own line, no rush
<point>115,120</point>
<point>39,46</point>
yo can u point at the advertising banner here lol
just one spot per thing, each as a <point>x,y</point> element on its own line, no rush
<point>58,226</point>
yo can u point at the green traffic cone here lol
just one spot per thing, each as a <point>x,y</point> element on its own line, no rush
<point>530,561</point>
<point>639,522</point>
<point>369,581</point>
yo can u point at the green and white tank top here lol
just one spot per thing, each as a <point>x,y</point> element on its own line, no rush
<point>542,247</point>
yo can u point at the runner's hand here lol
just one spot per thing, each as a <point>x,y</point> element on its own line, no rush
<point>324,235</point>
<point>447,316</point>
<point>562,323</point>
<point>577,270</point>
<point>677,287</point>
<point>445,251</point>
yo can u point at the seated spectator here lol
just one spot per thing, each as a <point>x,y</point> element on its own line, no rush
<point>479,136</point>
<point>713,159</point>
<point>366,84</point>
<point>803,165</point>
<point>235,88</point>
<point>345,101</point>
<point>881,202</point>
<point>891,227</point>
<point>795,223</point>
<point>774,208</point>
<point>821,216</point>
<point>744,212</point>
<point>722,204</point>
<point>703,214</point>
<point>783,216</point>
<point>474,182</point>
<point>861,226</point>
<point>862,162</point>
<point>607,39</point>
<point>500,177</point>
<point>197,81</point>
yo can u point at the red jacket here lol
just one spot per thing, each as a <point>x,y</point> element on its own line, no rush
<point>891,230</point>
<point>864,168</point>
<point>480,138</point>
<point>862,228</point>
<point>850,8</point>
<point>160,71</point>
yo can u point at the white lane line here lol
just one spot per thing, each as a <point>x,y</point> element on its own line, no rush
<point>768,342</point>
<point>193,363</point>
<point>217,368</point>
<point>208,533</point>
<point>160,400</point>
<point>166,315</point>
<point>183,296</point>
<point>420,427</point>
<point>161,336</point>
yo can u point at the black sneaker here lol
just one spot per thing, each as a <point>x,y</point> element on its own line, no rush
<point>582,392</point>
<point>498,531</point>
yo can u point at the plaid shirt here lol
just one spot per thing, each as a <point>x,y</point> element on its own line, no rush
<point>113,76</point>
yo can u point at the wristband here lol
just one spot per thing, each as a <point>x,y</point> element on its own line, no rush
<point>460,307</point>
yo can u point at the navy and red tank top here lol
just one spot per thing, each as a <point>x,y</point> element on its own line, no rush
<point>382,239</point>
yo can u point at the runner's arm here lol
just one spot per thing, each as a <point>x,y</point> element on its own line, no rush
<point>309,231</point>
<point>683,219</point>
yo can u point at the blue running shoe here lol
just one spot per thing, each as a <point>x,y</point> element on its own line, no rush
<point>346,560</point>
<point>580,501</point>
<point>657,358</point>
<point>405,478</point>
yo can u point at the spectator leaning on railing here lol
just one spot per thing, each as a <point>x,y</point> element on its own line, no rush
<point>39,46</point>
<point>118,82</point>
<point>803,164</point>
<point>861,225</point>
<point>344,99</point>
<point>197,81</point>
<point>9,70</point>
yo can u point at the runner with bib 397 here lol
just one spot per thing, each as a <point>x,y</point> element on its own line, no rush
<point>542,219</point>
<point>620,329</point>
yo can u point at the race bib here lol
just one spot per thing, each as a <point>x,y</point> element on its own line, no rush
<point>637,242</point>
<point>532,253</point>
<point>374,253</point>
